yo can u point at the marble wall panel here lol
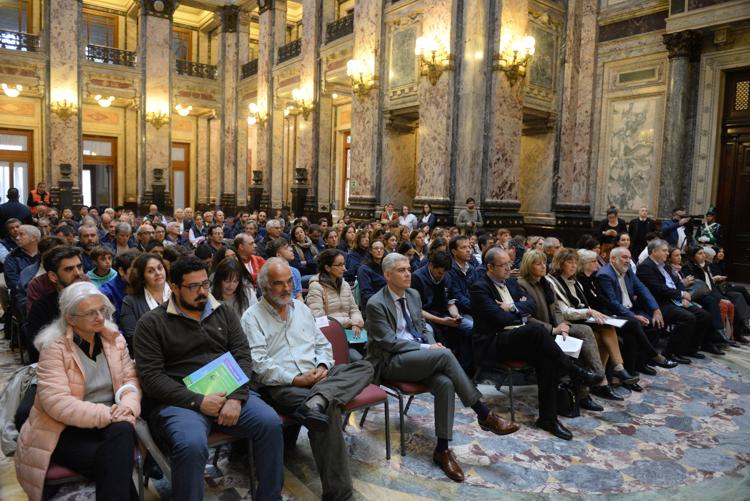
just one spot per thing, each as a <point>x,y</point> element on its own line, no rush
<point>229,65</point>
<point>214,161</point>
<point>308,80</point>
<point>277,154</point>
<point>536,176</point>
<point>203,161</point>
<point>130,183</point>
<point>402,63</point>
<point>157,59</point>
<point>326,193</point>
<point>398,176</point>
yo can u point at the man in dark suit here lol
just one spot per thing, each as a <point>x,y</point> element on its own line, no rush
<point>626,297</point>
<point>638,228</point>
<point>501,333</point>
<point>13,209</point>
<point>401,348</point>
<point>693,327</point>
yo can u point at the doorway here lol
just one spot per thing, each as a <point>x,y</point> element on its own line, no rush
<point>181,175</point>
<point>15,162</point>
<point>99,174</point>
<point>346,164</point>
<point>734,175</point>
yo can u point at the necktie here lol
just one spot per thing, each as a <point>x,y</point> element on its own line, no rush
<point>409,324</point>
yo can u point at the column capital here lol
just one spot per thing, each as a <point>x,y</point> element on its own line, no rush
<point>230,17</point>
<point>683,44</point>
<point>159,8</point>
<point>264,5</point>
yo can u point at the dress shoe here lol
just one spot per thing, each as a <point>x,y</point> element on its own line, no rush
<point>446,460</point>
<point>498,425</point>
<point>711,348</point>
<point>668,363</point>
<point>625,376</point>
<point>698,355</point>
<point>606,392</point>
<point>312,419</point>
<point>555,427</point>
<point>679,359</point>
<point>590,404</point>
<point>741,339</point>
<point>633,387</point>
<point>733,344</point>
<point>585,376</point>
<point>647,370</point>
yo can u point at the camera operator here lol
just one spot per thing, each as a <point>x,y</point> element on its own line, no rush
<point>679,230</point>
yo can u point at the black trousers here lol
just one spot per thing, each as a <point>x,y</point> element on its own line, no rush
<point>693,327</point>
<point>534,344</point>
<point>636,348</point>
<point>102,455</point>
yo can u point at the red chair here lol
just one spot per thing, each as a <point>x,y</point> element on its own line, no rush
<point>399,390</point>
<point>59,475</point>
<point>370,395</point>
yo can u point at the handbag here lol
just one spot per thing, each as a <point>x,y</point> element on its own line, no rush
<point>698,290</point>
<point>567,403</point>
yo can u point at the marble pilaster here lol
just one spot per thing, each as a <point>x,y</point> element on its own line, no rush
<point>501,190</point>
<point>366,111</point>
<point>214,161</point>
<point>675,178</point>
<point>326,162</point>
<point>434,134</point>
<point>310,86</point>
<point>229,75</point>
<point>203,164</point>
<point>131,156</point>
<point>243,167</point>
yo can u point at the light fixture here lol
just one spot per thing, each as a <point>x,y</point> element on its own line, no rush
<point>104,102</point>
<point>14,91</point>
<point>514,57</point>
<point>362,78</point>
<point>302,102</point>
<point>433,59</point>
<point>157,119</point>
<point>258,114</point>
<point>64,109</point>
<point>183,111</point>
<point>334,96</point>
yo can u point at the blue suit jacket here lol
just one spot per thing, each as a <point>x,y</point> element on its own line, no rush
<point>639,294</point>
<point>669,231</point>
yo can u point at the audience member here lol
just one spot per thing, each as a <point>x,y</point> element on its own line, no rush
<point>230,288</point>
<point>26,253</point>
<point>13,209</point>
<point>638,228</point>
<point>426,217</point>
<point>370,273</point>
<point>305,252</point>
<point>281,248</point>
<point>147,289</point>
<point>610,227</point>
<point>469,219</point>
<point>102,271</point>
<point>115,289</point>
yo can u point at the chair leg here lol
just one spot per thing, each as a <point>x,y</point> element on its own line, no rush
<point>364,415</point>
<point>401,422</point>
<point>251,461</point>
<point>387,430</point>
<point>408,404</point>
<point>510,394</point>
<point>139,465</point>
<point>216,456</point>
<point>346,421</point>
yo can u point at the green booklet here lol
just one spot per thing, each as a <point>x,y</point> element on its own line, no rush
<point>222,374</point>
<point>362,338</point>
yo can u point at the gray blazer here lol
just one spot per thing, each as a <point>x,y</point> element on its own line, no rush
<point>382,342</point>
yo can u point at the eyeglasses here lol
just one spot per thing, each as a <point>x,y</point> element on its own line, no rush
<point>93,314</point>
<point>194,287</point>
<point>338,265</point>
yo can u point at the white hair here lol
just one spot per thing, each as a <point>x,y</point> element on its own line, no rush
<point>270,263</point>
<point>273,222</point>
<point>617,251</point>
<point>586,256</point>
<point>709,251</point>
<point>389,261</point>
<point>69,300</point>
<point>31,231</point>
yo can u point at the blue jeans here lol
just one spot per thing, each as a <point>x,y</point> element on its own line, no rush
<point>186,432</point>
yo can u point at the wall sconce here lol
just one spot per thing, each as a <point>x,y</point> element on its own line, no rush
<point>258,114</point>
<point>157,119</point>
<point>433,60</point>
<point>361,76</point>
<point>513,60</point>
<point>104,102</point>
<point>63,109</point>
<point>302,102</point>
<point>14,91</point>
<point>183,111</point>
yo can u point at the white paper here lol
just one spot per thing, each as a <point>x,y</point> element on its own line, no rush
<point>614,322</point>
<point>570,346</point>
<point>321,322</point>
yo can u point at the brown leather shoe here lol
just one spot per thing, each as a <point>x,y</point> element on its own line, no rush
<point>447,461</point>
<point>498,425</point>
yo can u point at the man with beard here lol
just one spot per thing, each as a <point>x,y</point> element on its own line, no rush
<point>173,341</point>
<point>64,267</point>
<point>293,363</point>
<point>88,238</point>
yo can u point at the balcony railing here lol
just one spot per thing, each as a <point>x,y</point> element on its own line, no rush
<point>109,55</point>
<point>15,40</point>
<point>200,70</point>
<point>250,68</point>
<point>340,28</point>
<point>290,50</point>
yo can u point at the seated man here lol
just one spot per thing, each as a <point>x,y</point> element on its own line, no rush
<point>178,338</point>
<point>500,333</point>
<point>693,326</point>
<point>293,363</point>
<point>402,349</point>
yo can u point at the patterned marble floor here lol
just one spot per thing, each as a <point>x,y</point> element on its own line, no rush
<point>686,437</point>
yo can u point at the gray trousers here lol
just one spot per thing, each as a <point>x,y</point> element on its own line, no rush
<point>589,352</point>
<point>329,450</point>
<point>441,372</point>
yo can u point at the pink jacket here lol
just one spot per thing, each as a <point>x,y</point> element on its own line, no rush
<point>59,402</point>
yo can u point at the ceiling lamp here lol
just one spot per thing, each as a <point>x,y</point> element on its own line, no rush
<point>183,111</point>
<point>12,91</point>
<point>104,102</point>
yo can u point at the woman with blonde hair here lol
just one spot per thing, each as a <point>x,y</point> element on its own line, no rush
<point>88,398</point>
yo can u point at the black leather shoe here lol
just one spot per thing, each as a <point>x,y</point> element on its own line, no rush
<point>585,376</point>
<point>733,344</point>
<point>679,359</point>
<point>741,339</point>
<point>590,404</point>
<point>668,363</point>
<point>698,355</point>
<point>555,427</point>
<point>605,392</point>
<point>625,376</point>
<point>712,348</point>
<point>649,371</point>
<point>312,419</point>
<point>633,387</point>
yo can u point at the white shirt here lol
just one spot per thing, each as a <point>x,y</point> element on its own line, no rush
<point>626,302</point>
<point>401,331</point>
<point>151,302</point>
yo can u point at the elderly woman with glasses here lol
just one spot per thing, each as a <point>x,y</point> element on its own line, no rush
<point>88,398</point>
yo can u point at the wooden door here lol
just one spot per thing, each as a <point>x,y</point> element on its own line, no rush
<point>181,175</point>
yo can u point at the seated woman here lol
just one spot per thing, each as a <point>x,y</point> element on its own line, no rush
<point>347,239</point>
<point>355,256</point>
<point>198,229</point>
<point>391,242</point>
<point>305,253</point>
<point>330,238</point>
<point>220,256</point>
<point>539,288</point>
<point>738,294</point>
<point>330,296</point>
<point>407,249</point>
<point>83,369</point>
<point>370,274</point>
<point>147,289</point>
<point>417,238</point>
<point>229,285</point>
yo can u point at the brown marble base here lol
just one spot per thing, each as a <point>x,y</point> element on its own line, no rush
<point>441,207</point>
<point>572,221</point>
<point>361,208</point>
<point>228,203</point>
<point>502,214</point>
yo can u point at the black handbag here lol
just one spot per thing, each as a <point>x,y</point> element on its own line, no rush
<point>567,403</point>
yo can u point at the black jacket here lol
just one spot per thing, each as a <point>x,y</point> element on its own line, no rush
<point>13,208</point>
<point>649,274</point>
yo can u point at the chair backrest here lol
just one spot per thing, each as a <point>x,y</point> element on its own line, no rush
<point>335,334</point>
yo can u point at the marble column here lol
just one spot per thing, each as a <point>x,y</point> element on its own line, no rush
<point>229,73</point>
<point>434,134</point>
<point>132,142</point>
<point>156,58</point>
<point>215,150</point>
<point>501,185</point>
<point>203,164</point>
<point>572,204</point>
<point>326,161</point>
<point>243,167</point>
<point>64,130</point>
<point>675,175</point>
<point>366,111</point>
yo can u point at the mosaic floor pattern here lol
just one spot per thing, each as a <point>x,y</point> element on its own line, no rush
<point>687,436</point>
